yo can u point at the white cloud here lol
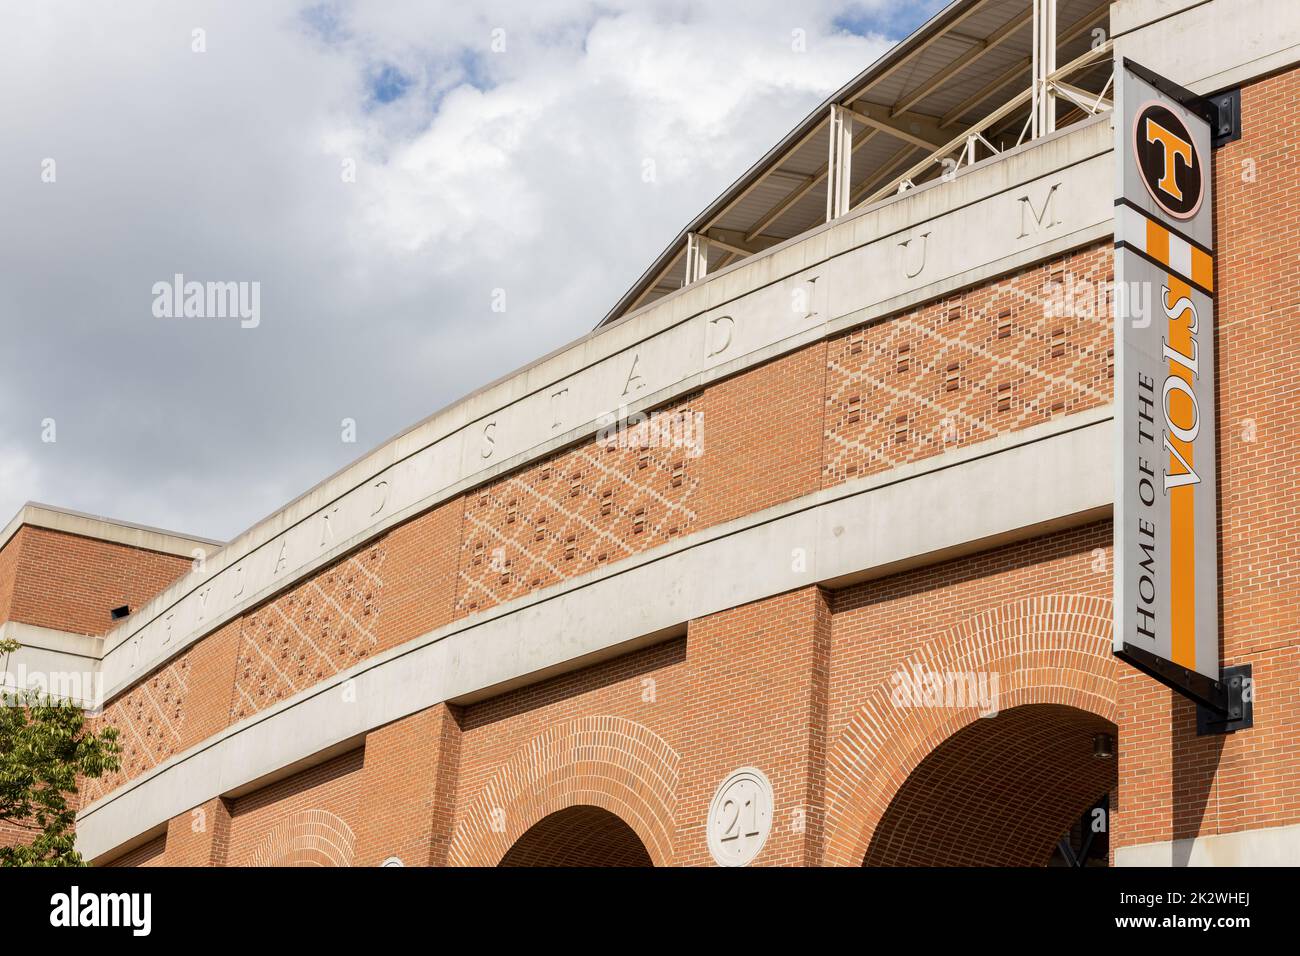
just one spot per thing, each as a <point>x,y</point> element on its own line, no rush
<point>519,170</point>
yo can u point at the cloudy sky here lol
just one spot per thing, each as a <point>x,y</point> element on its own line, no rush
<point>379,169</point>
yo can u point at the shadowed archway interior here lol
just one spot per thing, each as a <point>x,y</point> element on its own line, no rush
<point>578,836</point>
<point>999,792</point>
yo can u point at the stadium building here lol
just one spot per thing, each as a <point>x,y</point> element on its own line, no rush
<point>928,500</point>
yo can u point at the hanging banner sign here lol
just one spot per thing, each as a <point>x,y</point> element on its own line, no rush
<point>1166,498</point>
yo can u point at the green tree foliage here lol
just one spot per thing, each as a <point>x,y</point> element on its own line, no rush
<point>46,748</point>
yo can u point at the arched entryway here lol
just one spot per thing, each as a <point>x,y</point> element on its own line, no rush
<point>600,762</point>
<point>1003,791</point>
<point>578,836</point>
<point>1052,650</point>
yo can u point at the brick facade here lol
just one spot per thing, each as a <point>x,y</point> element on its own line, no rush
<point>617,761</point>
<point>68,582</point>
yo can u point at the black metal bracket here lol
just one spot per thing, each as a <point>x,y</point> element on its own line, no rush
<point>1226,127</point>
<point>1222,110</point>
<point>1240,714</point>
<point>1223,706</point>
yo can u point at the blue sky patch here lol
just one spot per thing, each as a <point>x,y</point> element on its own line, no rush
<point>893,20</point>
<point>388,83</point>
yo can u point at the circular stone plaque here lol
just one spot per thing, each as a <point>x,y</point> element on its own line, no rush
<point>740,817</point>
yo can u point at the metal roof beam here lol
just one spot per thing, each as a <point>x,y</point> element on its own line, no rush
<point>975,99</point>
<point>997,116</point>
<point>731,247</point>
<point>798,193</point>
<point>966,59</point>
<point>921,47</point>
<point>776,168</point>
<point>918,130</point>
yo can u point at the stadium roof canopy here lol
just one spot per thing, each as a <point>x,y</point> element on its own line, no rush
<point>959,89</point>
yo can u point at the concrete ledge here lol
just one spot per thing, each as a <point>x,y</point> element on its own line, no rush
<point>1048,476</point>
<point>1208,45</point>
<point>105,529</point>
<point>58,662</point>
<point>1274,846</point>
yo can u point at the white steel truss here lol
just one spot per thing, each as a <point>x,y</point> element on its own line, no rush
<point>1048,84</point>
<point>961,150</point>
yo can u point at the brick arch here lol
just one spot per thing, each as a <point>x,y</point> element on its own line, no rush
<point>1049,649</point>
<point>579,836</point>
<point>998,792</point>
<point>307,838</point>
<point>608,762</point>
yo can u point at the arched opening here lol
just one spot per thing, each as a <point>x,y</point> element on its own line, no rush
<point>578,836</point>
<point>1006,791</point>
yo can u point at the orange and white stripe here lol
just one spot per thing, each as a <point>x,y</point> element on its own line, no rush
<point>1165,246</point>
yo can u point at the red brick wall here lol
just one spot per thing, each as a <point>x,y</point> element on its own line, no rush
<point>757,677</point>
<point>150,853</point>
<point>408,799</point>
<point>1037,614</point>
<point>9,558</point>
<point>762,436</point>
<point>419,585</point>
<point>70,583</point>
<point>605,736</point>
<point>308,819</point>
<point>200,837</point>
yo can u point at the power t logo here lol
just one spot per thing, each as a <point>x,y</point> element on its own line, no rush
<point>1168,160</point>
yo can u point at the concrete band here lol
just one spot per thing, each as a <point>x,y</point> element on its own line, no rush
<point>1269,846</point>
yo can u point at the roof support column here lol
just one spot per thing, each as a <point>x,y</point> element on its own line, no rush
<point>697,257</point>
<point>1043,116</point>
<point>839,163</point>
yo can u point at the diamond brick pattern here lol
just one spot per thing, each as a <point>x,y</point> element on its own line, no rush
<point>319,628</point>
<point>572,513</point>
<point>149,719</point>
<point>995,358</point>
